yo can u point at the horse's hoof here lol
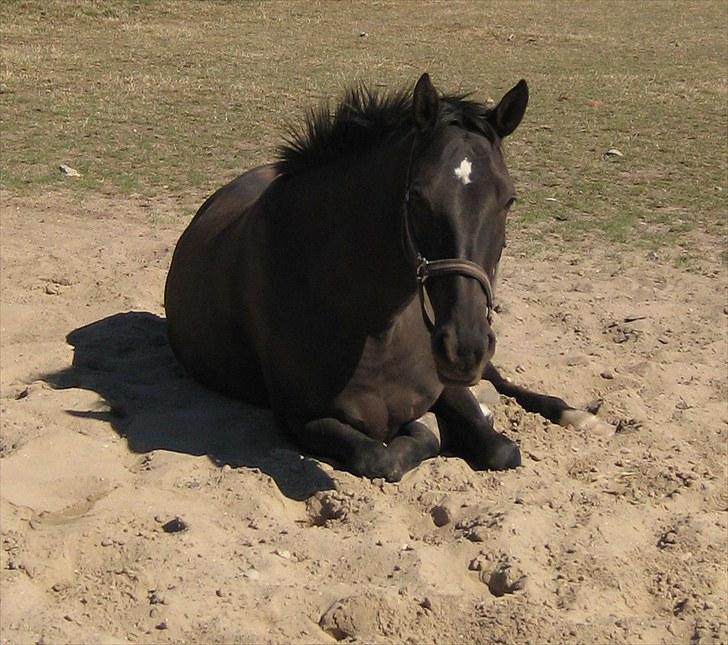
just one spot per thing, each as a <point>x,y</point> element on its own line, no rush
<point>499,453</point>
<point>586,422</point>
<point>504,456</point>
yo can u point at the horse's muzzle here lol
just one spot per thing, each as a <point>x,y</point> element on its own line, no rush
<point>460,358</point>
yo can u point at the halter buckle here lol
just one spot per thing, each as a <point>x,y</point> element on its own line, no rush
<point>422,271</point>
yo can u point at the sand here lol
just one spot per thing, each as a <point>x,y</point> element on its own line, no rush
<point>136,506</point>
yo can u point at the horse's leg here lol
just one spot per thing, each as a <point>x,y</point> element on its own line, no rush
<point>467,432</point>
<point>552,408</point>
<point>365,456</point>
<point>415,443</point>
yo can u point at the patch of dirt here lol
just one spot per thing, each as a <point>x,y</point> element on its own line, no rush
<point>105,441</point>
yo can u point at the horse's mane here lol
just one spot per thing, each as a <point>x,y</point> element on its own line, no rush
<point>364,117</point>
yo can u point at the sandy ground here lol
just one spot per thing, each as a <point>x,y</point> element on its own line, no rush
<point>610,538</point>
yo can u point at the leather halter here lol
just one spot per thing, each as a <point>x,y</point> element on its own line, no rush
<point>428,269</point>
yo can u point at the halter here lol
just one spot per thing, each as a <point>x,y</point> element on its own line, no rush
<point>427,269</point>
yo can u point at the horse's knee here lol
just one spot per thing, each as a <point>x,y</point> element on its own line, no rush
<point>426,434</point>
<point>376,461</point>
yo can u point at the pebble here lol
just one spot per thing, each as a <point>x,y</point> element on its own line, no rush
<point>283,553</point>
<point>106,542</point>
<point>504,579</point>
<point>628,425</point>
<point>594,406</point>
<point>163,625</point>
<point>476,564</point>
<point>175,525</point>
<point>156,598</point>
<point>441,515</point>
<point>476,534</point>
<point>670,537</point>
<point>607,374</point>
<point>68,171</point>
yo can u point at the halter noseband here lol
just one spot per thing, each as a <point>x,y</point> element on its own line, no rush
<point>427,269</point>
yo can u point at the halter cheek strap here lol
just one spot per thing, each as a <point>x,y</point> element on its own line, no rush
<point>432,269</point>
<point>428,269</point>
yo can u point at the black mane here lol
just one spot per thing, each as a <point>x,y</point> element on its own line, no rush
<point>364,117</point>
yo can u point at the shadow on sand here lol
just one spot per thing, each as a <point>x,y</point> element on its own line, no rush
<point>155,405</point>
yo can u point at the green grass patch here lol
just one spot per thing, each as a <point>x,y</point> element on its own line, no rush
<point>162,98</point>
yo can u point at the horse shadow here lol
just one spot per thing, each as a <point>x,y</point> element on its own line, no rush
<point>155,405</point>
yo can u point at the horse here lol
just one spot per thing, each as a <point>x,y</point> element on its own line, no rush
<point>348,286</point>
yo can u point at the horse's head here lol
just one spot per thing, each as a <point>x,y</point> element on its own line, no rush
<point>457,199</point>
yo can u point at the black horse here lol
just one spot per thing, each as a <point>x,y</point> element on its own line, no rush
<point>349,285</point>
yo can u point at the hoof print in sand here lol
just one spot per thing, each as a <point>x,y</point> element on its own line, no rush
<point>356,617</point>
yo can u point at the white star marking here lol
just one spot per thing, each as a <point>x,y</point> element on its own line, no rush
<point>462,172</point>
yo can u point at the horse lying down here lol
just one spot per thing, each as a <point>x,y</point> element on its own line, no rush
<point>349,286</point>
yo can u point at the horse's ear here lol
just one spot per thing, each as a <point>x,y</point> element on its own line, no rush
<point>425,104</point>
<point>506,116</point>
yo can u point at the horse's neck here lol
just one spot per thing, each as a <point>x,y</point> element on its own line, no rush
<point>358,261</point>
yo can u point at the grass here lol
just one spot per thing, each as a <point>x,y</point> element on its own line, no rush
<point>163,98</point>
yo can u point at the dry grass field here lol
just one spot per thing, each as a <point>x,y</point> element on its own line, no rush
<point>159,98</point>
<point>613,287</point>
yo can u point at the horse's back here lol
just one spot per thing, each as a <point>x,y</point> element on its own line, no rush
<point>202,326</point>
<point>229,203</point>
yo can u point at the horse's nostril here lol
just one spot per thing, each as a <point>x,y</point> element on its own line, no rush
<point>490,349</point>
<point>446,345</point>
